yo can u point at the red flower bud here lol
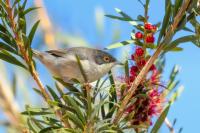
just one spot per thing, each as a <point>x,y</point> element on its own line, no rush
<point>139,35</point>
<point>131,78</point>
<point>148,26</point>
<point>150,39</point>
<point>139,51</point>
<point>154,28</point>
<point>134,69</point>
<point>141,63</point>
<point>152,68</point>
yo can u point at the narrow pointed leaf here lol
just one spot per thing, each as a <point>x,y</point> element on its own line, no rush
<point>165,22</point>
<point>32,32</point>
<point>32,113</point>
<point>184,39</point>
<point>74,119</point>
<point>11,59</point>
<point>160,120</point>
<point>7,47</point>
<point>29,10</point>
<point>74,105</point>
<point>120,44</point>
<point>53,94</point>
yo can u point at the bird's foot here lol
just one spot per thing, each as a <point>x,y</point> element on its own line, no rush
<point>87,86</point>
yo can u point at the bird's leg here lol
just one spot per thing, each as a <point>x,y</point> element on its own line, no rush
<point>87,86</point>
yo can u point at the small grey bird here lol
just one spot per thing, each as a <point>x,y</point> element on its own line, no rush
<point>63,63</point>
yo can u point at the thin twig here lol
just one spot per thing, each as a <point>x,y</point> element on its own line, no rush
<point>146,68</point>
<point>24,53</point>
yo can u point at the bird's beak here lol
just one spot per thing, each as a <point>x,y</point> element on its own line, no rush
<point>119,63</point>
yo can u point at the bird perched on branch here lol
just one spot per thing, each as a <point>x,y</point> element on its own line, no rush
<point>80,63</point>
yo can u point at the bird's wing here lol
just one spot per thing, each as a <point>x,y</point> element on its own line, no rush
<point>81,53</point>
<point>57,53</point>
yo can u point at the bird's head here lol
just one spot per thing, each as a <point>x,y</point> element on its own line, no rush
<point>104,61</point>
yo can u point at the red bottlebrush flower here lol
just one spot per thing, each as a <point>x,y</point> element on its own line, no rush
<point>139,51</point>
<point>139,35</point>
<point>134,70</point>
<point>152,68</point>
<point>155,76</point>
<point>150,39</point>
<point>155,103</point>
<point>130,109</point>
<point>148,26</point>
<point>132,78</point>
<point>154,28</point>
<point>141,63</point>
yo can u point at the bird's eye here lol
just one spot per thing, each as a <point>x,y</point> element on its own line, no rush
<point>106,58</point>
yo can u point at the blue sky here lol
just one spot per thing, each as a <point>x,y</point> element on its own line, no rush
<point>78,17</point>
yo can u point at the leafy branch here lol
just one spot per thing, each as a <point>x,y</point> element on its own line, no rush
<point>18,38</point>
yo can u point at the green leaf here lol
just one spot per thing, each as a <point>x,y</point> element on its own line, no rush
<point>160,120</point>
<point>15,3</point>
<point>7,47</point>
<point>33,113</point>
<point>147,6</point>
<point>177,49</point>
<point>182,23</point>
<point>81,68</point>
<point>165,22</point>
<point>120,44</point>
<point>177,5</point>
<point>176,94</point>
<point>70,87</point>
<point>48,129</point>
<point>74,105</point>
<point>187,29</point>
<point>30,125</point>
<point>37,123</point>
<point>74,119</point>
<point>7,39</point>
<point>24,4</point>
<point>122,13</point>
<point>59,89</point>
<point>29,10</point>
<point>184,39</point>
<point>124,17</point>
<point>3,29</point>
<point>60,105</point>
<point>53,94</point>
<point>6,56</point>
<point>58,130</point>
<point>112,91</point>
<point>118,18</point>
<point>97,108</point>
<point>38,92</point>
<point>103,113</point>
<point>32,32</point>
<point>103,126</point>
<point>131,21</point>
<point>126,68</point>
